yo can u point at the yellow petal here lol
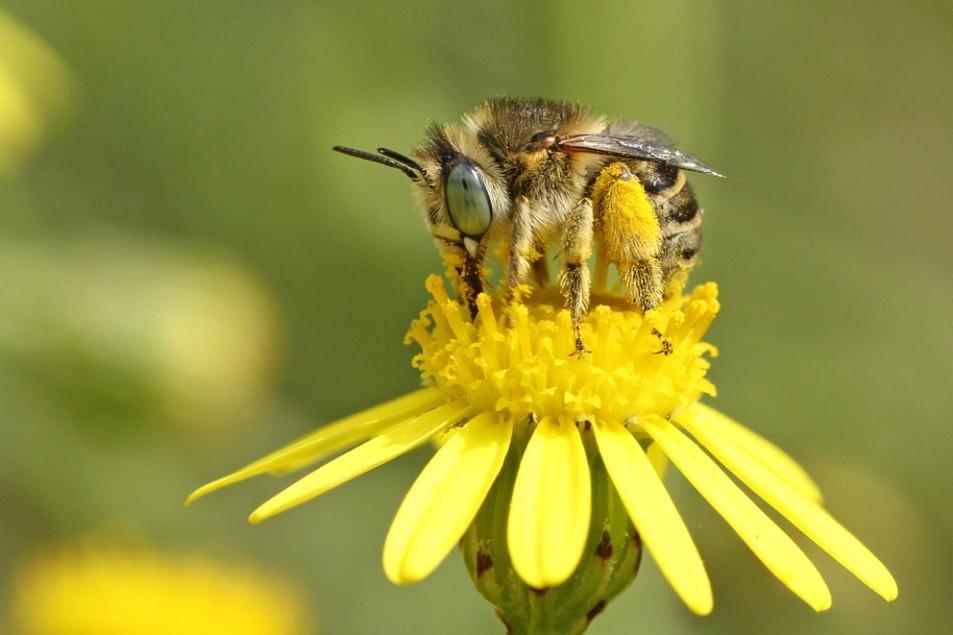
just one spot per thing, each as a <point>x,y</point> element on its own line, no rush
<point>773,457</point>
<point>391,443</point>
<point>803,513</point>
<point>775,549</point>
<point>329,438</point>
<point>445,498</point>
<point>552,501</point>
<point>658,459</point>
<point>654,515</point>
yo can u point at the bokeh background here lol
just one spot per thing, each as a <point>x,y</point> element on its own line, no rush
<point>190,277</point>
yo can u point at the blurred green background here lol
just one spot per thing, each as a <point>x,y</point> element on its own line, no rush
<point>191,277</point>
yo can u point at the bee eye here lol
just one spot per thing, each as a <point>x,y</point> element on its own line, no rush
<point>467,199</point>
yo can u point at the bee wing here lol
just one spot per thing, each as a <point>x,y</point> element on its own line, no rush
<point>640,130</point>
<point>635,146</point>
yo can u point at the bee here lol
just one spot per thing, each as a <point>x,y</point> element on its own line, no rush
<point>531,174</point>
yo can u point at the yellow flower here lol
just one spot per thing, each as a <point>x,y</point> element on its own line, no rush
<point>104,590</point>
<point>194,341</point>
<point>493,390</point>
<point>34,87</point>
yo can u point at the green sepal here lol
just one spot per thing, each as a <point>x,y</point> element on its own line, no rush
<point>609,563</point>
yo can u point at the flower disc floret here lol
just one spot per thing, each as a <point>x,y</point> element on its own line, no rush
<point>634,366</point>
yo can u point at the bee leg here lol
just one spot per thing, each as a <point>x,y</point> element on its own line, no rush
<point>631,233</point>
<point>642,282</point>
<point>574,281</point>
<point>465,271</point>
<point>521,249</point>
<point>540,268</point>
<point>472,282</point>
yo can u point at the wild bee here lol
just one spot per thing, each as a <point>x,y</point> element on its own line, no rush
<point>534,173</point>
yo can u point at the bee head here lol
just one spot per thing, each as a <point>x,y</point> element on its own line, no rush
<point>463,191</point>
<point>460,186</point>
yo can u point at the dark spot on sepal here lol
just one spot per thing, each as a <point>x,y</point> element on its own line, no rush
<point>604,548</point>
<point>484,562</point>
<point>594,611</point>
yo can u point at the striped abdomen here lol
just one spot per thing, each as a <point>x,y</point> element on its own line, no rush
<point>679,217</point>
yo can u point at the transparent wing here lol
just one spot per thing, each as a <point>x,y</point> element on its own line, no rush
<point>640,130</point>
<point>638,141</point>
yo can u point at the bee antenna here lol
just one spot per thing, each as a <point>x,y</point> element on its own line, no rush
<point>397,156</point>
<point>414,173</point>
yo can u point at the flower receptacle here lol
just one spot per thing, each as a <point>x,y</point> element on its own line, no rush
<point>609,563</point>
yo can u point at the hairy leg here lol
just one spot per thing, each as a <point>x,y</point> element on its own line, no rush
<point>464,271</point>
<point>642,282</point>
<point>577,247</point>
<point>540,266</point>
<point>521,249</point>
<point>631,234</point>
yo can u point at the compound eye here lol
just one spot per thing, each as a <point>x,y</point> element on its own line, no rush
<point>467,199</point>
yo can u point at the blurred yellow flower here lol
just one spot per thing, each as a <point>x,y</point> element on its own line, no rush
<point>629,400</point>
<point>34,85</point>
<point>191,335</point>
<point>101,590</point>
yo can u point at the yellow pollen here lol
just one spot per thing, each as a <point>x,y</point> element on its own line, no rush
<point>629,224</point>
<point>635,365</point>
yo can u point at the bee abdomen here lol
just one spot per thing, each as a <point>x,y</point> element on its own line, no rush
<point>660,179</point>
<point>671,194</point>
<point>680,211</point>
<point>680,251</point>
<point>683,206</point>
<point>680,217</point>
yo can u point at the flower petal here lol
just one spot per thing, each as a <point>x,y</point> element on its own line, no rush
<point>391,443</point>
<point>552,502</point>
<point>445,498</point>
<point>773,457</point>
<point>654,515</point>
<point>775,549</point>
<point>806,515</point>
<point>329,438</point>
<point>658,460</point>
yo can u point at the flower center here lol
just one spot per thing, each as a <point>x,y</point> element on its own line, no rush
<point>635,365</point>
